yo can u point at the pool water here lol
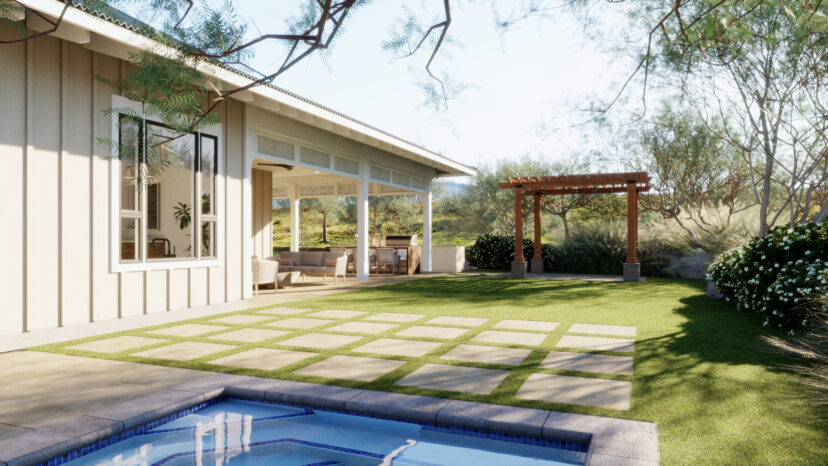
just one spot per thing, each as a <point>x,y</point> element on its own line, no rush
<point>241,432</point>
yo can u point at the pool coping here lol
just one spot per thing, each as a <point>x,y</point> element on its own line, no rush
<point>612,441</point>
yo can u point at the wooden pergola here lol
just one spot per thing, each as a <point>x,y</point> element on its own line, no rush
<point>631,183</point>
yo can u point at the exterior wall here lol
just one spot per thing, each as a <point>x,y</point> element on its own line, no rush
<point>448,258</point>
<point>262,186</point>
<point>55,186</point>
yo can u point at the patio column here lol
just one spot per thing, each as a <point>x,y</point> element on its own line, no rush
<point>519,264</point>
<point>361,259</point>
<point>294,217</point>
<point>425,261</point>
<point>537,258</point>
<point>632,269</point>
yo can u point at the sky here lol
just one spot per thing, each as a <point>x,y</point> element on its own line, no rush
<point>529,77</point>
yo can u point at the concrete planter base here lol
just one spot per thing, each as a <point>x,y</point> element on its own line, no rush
<point>536,265</point>
<point>632,272</point>
<point>519,269</point>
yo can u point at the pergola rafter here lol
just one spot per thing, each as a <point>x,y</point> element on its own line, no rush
<point>630,183</point>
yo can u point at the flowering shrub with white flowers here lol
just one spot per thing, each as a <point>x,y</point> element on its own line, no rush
<point>777,275</point>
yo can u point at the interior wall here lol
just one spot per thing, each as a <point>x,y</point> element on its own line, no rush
<point>55,186</point>
<point>262,187</point>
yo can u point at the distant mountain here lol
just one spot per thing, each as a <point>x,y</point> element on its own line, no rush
<point>449,188</point>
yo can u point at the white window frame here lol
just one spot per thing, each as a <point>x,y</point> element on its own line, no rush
<point>116,265</point>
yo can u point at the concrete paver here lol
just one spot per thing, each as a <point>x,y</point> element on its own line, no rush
<point>284,311</point>
<point>597,343</point>
<point>188,330</point>
<point>437,333</point>
<point>299,323</point>
<point>541,326</point>
<point>250,335</point>
<point>586,362</point>
<point>352,368</point>
<point>396,347</point>
<point>510,338</point>
<point>487,354</point>
<point>117,344</point>
<point>320,340</point>
<point>337,314</point>
<point>242,319</point>
<point>589,391</point>
<point>395,317</point>
<point>361,327</point>
<point>267,359</point>
<point>184,351</point>
<point>458,321</point>
<point>455,378</point>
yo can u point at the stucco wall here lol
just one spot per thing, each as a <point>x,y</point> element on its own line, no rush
<point>55,191</point>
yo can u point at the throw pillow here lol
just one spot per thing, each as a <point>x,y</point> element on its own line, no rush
<point>285,261</point>
<point>329,263</point>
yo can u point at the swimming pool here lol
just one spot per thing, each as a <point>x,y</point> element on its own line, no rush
<point>236,431</point>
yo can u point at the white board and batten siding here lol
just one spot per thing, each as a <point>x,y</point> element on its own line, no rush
<point>56,185</point>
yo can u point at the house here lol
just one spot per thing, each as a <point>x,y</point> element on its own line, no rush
<point>85,252</point>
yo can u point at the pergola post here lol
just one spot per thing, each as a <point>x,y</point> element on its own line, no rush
<point>536,265</point>
<point>519,264</point>
<point>632,269</point>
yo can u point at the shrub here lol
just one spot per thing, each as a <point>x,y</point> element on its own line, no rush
<point>593,248</point>
<point>775,274</point>
<point>494,251</point>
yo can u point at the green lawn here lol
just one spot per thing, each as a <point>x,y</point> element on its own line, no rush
<point>702,372</point>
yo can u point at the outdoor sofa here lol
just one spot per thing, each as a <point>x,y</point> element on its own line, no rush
<point>316,263</point>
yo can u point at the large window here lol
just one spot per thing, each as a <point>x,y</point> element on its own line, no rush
<point>168,193</point>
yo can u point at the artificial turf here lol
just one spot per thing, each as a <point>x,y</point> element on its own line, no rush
<point>703,374</point>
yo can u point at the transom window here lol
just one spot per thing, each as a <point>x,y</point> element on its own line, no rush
<point>167,193</point>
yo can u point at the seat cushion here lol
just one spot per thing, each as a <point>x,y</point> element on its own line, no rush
<point>328,270</point>
<point>311,258</point>
<point>302,268</point>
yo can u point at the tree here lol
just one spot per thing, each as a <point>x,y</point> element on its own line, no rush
<point>561,205</point>
<point>326,207</point>
<point>754,72</point>
<point>691,169</point>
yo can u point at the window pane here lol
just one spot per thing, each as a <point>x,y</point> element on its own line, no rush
<point>208,174</point>
<point>129,239</point>
<point>208,239</point>
<point>170,164</point>
<point>128,149</point>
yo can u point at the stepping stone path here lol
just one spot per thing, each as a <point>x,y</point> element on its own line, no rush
<point>392,317</point>
<point>242,319</point>
<point>320,340</point>
<point>437,333</point>
<point>587,362</point>
<point>250,335</point>
<point>284,311</point>
<point>540,326</point>
<point>184,351</point>
<point>619,330</point>
<point>510,338</point>
<point>300,323</point>
<point>117,344</point>
<point>337,314</point>
<point>458,321</point>
<point>395,347</point>
<point>267,359</point>
<point>188,330</point>
<point>597,343</point>
<point>455,378</point>
<point>487,354</point>
<point>352,368</point>
<point>478,366</point>
<point>577,390</point>
<point>361,327</point>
